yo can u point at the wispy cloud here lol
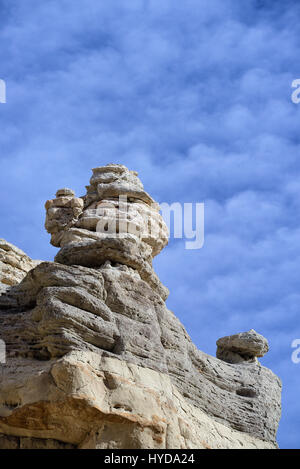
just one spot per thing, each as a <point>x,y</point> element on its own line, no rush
<point>194,95</point>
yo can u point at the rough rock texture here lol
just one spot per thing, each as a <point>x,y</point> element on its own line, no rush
<point>242,347</point>
<point>88,400</point>
<point>116,220</point>
<point>96,360</point>
<point>14,264</point>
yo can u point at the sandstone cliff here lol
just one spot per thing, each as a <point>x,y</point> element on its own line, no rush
<point>94,359</point>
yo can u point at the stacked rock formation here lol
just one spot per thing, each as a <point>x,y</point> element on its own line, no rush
<point>116,221</point>
<point>94,357</point>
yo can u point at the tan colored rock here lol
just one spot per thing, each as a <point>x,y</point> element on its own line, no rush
<point>242,347</point>
<point>94,358</point>
<point>116,215</point>
<point>14,264</point>
<point>62,213</point>
<point>88,401</point>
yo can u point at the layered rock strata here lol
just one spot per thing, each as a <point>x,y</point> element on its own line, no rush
<point>14,264</point>
<point>242,347</point>
<point>94,357</point>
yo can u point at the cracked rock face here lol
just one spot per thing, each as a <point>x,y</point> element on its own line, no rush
<point>14,264</point>
<point>96,360</point>
<point>242,347</point>
<point>116,220</point>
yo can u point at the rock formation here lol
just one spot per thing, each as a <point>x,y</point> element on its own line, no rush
<point>94,359</point>
<point>243,347</point>
<point>14,264</point>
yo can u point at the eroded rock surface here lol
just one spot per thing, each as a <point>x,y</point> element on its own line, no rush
<point>242,347</point>
<point>96,360</point>
<point>14,264</point>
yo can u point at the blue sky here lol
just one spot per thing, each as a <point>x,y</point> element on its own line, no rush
<point>195,96</point>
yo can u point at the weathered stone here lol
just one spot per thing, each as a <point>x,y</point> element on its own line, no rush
<point>115,205</point>
<point>91,401</point>
<point>15,442</point>
<point>65,192</point>
<point>245,346</point>
<point>14,264</point>
<point>96,360</point>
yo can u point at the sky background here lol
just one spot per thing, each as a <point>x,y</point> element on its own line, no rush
<point>196,96</point>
